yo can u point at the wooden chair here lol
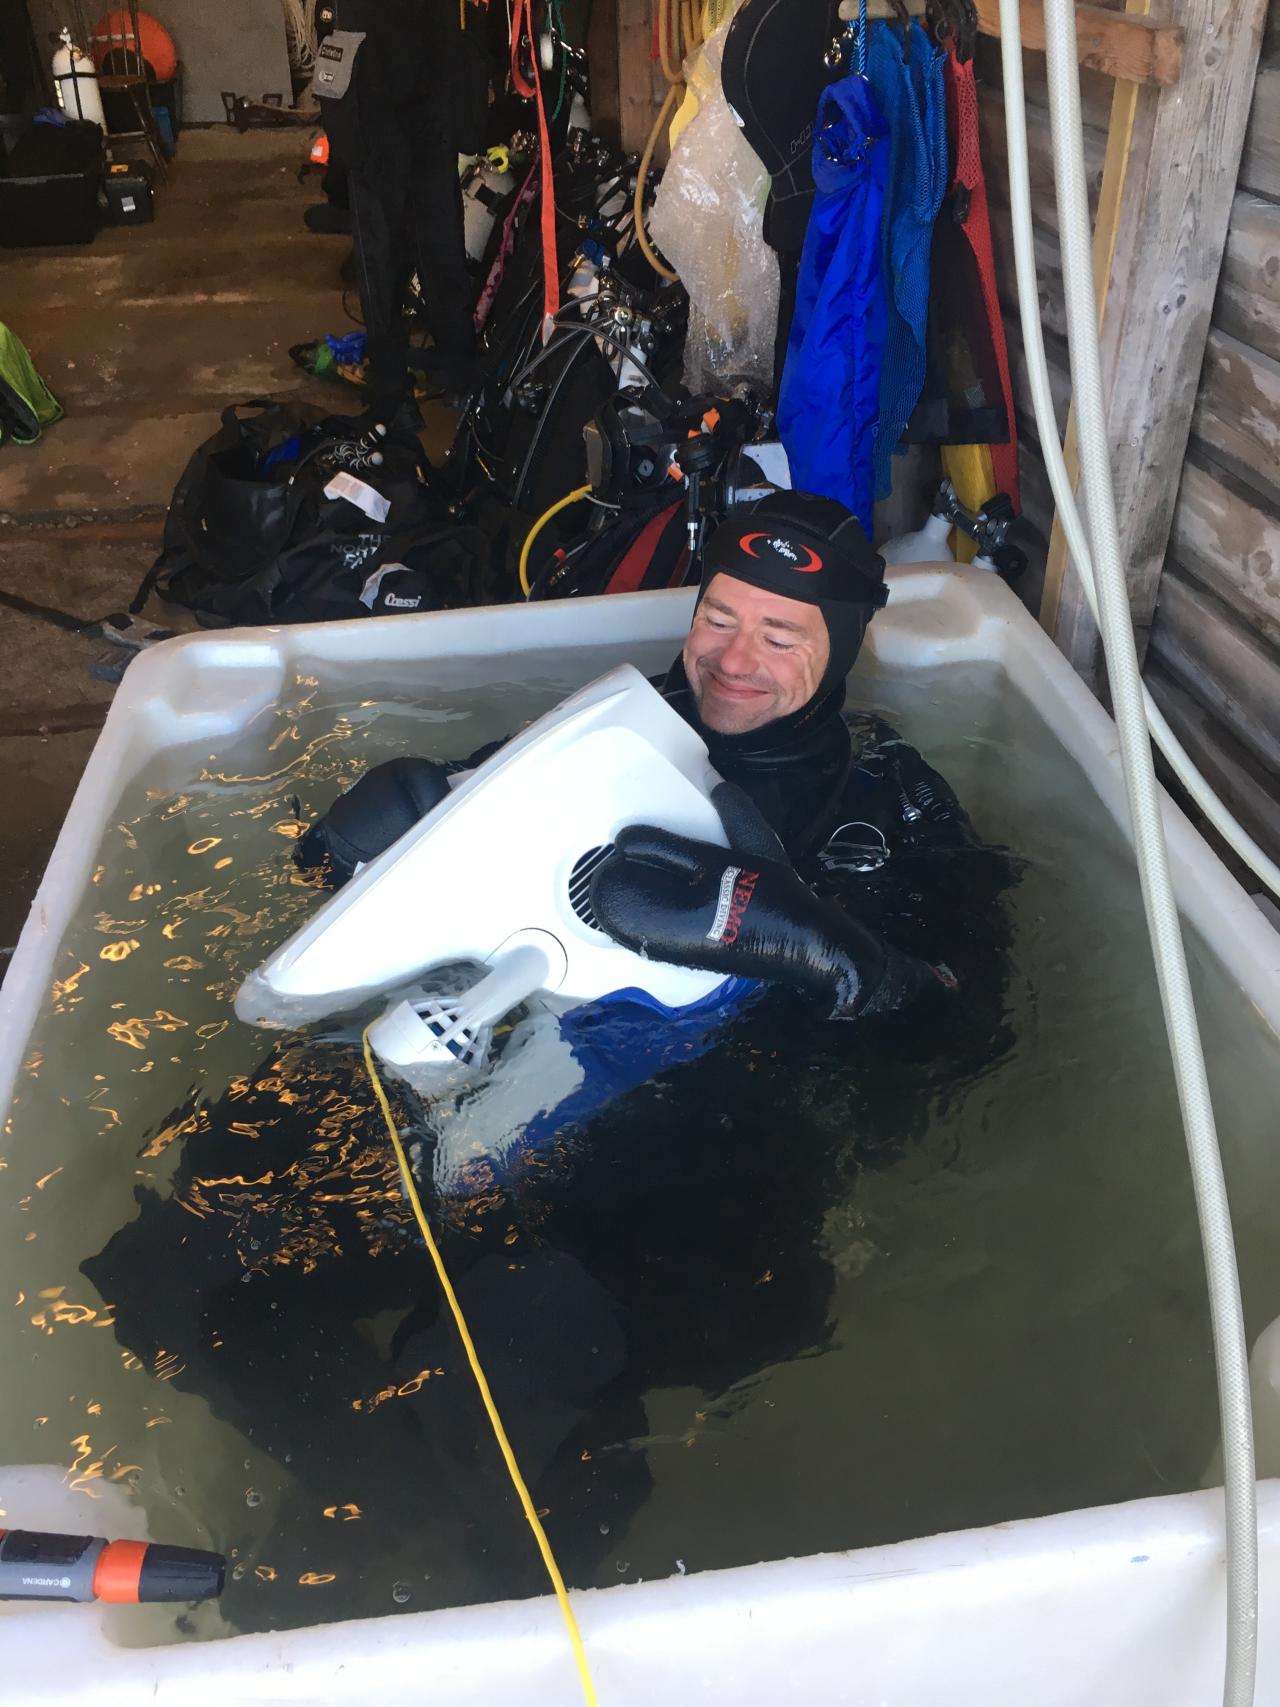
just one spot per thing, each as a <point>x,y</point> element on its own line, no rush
<point>124,45</point>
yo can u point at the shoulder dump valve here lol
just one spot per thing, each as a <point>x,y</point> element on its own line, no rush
<point>39,1566</point>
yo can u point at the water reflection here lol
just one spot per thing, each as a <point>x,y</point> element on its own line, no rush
<point>827,1285</point>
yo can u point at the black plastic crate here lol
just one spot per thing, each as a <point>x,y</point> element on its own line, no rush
<point>128,187</point>
<point>49,186</point>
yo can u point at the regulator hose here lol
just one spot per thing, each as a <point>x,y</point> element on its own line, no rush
<point>574,497</point>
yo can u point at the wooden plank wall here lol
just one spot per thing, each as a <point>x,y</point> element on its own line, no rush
<point>1213,662</point>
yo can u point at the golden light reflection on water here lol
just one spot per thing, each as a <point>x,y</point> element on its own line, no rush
<point>118,950</point>
<point>144,983</point>
<point>84,1469</point>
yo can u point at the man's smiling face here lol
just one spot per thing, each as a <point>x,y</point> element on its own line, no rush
<point>752,656</point>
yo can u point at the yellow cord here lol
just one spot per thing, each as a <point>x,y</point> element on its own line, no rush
<point>574,497</point>
<point>468,1345</point>
<point>680,34</point>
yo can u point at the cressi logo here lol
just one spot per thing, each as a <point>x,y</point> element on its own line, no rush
<point>393,603</point>
<point>790,554</point>
<point>736,889</point>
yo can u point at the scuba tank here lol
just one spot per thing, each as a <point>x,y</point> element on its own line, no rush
<point>76,84</point>
<point>486,184</point>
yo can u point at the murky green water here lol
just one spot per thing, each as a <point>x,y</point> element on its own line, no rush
<point>817,1290</point>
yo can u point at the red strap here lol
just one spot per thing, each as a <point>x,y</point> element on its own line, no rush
<point>962,102</point>
<point>635,561</point>
<point>533,91</point>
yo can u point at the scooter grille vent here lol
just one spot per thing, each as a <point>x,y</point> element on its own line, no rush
<point>465,1046</point>
<point>580,884</point>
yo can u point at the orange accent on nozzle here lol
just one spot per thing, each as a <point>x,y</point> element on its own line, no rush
<point>320,150</point>
<point>118,1573</point>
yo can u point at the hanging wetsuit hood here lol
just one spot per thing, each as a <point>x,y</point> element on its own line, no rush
<point>773,71</point>
<point>813,550</point>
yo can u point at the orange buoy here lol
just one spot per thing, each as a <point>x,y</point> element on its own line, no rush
<point>113,35</point>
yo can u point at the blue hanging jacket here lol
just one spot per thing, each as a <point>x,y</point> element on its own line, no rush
<point>910,92</point>
<point>830,395</point>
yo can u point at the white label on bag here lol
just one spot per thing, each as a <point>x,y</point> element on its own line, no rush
<point>361,494</point>
<point>369,592</point>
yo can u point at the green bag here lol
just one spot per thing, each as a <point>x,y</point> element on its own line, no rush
<point>27,406</point>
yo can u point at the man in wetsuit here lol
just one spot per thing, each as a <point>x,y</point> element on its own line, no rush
<point>789,586</point>
<point>681,1242</point>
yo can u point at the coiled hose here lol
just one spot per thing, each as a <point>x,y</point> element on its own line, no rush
<point>1112,604</point>
<point>676,19</point>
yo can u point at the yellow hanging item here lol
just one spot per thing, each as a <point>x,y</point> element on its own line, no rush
<point>968,468</point>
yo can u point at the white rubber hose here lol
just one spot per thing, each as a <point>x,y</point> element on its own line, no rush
<point>1180,762</point>
<point>1112,604</point>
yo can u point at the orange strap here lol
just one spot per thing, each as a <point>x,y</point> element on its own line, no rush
<point>533,91</point>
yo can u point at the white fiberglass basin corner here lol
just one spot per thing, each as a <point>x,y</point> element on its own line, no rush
<point>1118,1605</point>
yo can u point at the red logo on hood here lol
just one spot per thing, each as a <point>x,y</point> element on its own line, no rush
<point>785,549</point>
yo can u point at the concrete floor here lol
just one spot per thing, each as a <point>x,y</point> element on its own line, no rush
<point>144,336</point>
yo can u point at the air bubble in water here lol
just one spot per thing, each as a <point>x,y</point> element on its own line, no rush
<point>621,1565</point>
<point>604,1529</point>
<point>237,1573</point>
<point>400,1593</point>
<point>252,1497</point>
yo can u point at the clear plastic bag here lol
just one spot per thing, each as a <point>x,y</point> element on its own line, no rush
<point>708,219</point>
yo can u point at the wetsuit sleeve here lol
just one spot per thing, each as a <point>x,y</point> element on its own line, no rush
<point>744,912</point>
<point>377,810</point>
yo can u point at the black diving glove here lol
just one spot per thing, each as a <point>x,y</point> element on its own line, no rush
<point>373,813</point>
<point>743,911</point>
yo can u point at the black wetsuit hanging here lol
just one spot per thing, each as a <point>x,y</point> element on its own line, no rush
<point>773,72</point>
<point>385,80</point>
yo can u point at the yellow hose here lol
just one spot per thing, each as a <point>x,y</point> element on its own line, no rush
<point>680,33</point>
<point>642,176</point>
<point>574,497</point>
<point>495,1421</point>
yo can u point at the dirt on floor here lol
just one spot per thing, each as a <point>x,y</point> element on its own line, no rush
<point>145,336</point>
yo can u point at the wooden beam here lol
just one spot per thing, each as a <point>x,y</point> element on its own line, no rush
<point>1248,305</point>
<point>641,85</point>
<point>602,66</point>
<point>1226,538</point>
<point>1234,774</point>
<point>1167,248</point>
<point>1222,663</point>
<point>1138,49</point>
<point>1072,625</point>
<point>1237,415</point>
<point>1260,168</point>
